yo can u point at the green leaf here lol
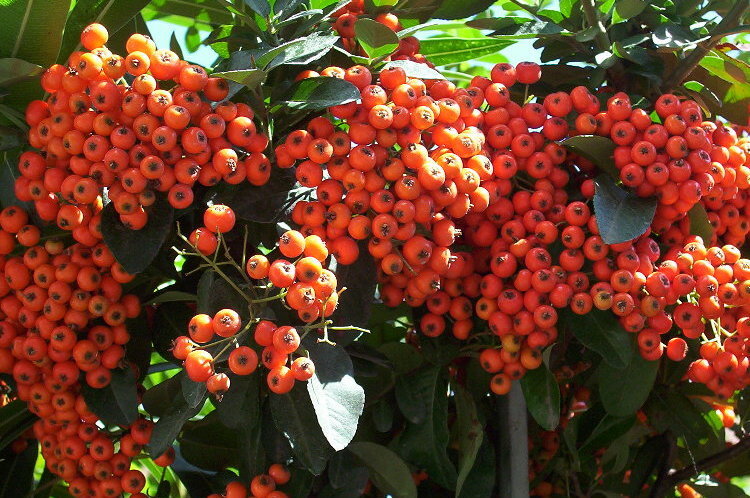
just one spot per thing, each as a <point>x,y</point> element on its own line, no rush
<point>302,51</point>
<point>542,397</point>
<point>388,472</point>
<point>113,14</point>
<point>32,30</point>
<point>336,397</point>
<point>215,293</point>
<point>620,215</point>
<point>425,444</point>
<point>15,418</point>
<point>460,10</point>
<point>17,471</point>
<point>241,404</point>
<point>209,445</point>
<point>699,224</point>
<point>359,278</point>
<point>516,27</point>
<point>136,249</point>
<point>626,9</point>
<point>117,403</point>
<point>416,70</point>
<point>261,7</point>
<point>470,435</point>
<point>174,45</point>
<point>672,410</point>
<point>606,432</point>
<point>170,423</point>
<point>266,204</point>
<point>442,51</point>
<point>14,70</point>
<point>598,150</point>
<point>11,138</point>
<point>600,331</point>
<point>377,40</point>
<point>294,415</point>
<point>250,78</point>
<point>172,297</point>
<point>314,94</point>
<point>647,460</point>
<point>623,391</point>
<point>672,36</point>
<point>480,482</point>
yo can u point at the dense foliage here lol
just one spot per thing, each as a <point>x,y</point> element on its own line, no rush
<point>363,254</point>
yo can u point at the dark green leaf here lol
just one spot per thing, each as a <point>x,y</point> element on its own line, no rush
<point>174,46</point>
<point>376,39</point>
<point>113,14</point>
<point>415,395</point>
<point>416,70</point>
<point>460,10</point>
<point>672,36</point>
<point>442,51</point>
<point>136,249</point>
<point>699,224</point>
<point>215,293</point>
<point>250,78</point>
<point>32,30</point>
<point>470,435</point>
<point>625,9</point>
<point>516,27</point>
<point>672,410</point>
<point>598,150</point>
<point>240,405</point>
<point>542,397</point>
<point>15,418</point>
<point>646,461</point>
<point>194,393</point>
<point>605,433</point>
<point>172,297</point>
<point>267,204</point>
<point>209,445</point>
<point>17,471</point>
<point>623,391</point>
<point>252,459</point>
<point>294,415</point>
<point>388,472</point>
<point>302,51</point>
<point>170,322</point>
<point>116,404</point>
<point>15,70</point>
<point>261,7</point>
<point>425,444</point>
<point>620,215</point>
<point>481,479</point>
<point>337,399</point>
<point>382,416</point>
<point>599,331</point>
<point>355,304</point>
<point>313,94</point>
<point>139,347</point>
<point>10,138</point>
<point>346,474</point>
<point>176,413</point>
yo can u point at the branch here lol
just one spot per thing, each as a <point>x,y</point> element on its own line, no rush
<point>730,21</point>
<point>602,38</point>
<point>685,473</point>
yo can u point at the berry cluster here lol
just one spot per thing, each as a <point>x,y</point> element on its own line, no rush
<point>62,322</point>
<point>472,208</point>
<point>346,17</point>
<point>261,486</point>
<point>303,285</point>
<point>96,132</point>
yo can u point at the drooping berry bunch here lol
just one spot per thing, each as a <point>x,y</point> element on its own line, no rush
<point>62,322</point>
<point>303,285</point>
<point>473,208</point>
<point>96,132</point>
